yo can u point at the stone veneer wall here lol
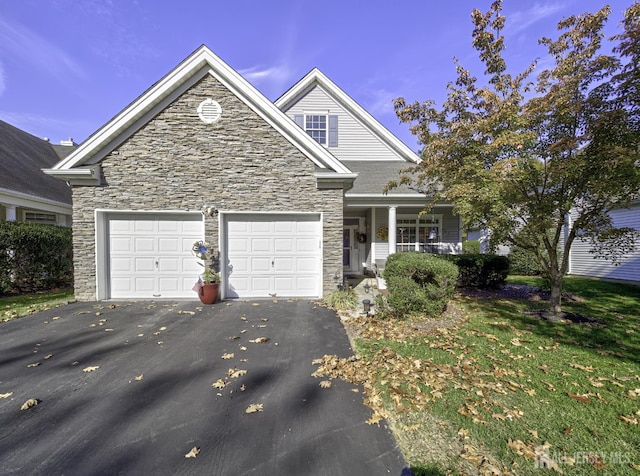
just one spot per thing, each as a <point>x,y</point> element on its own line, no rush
<point>177,162</point>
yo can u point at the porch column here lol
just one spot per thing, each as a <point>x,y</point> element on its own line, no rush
<point>11,212</point>
<point>392,230</point>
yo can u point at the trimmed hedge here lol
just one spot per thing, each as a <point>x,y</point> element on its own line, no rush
<point>524,263</point>
<point>480,270</point>
<point>418,283</point>
<point>471,247</point>
<point>34,257</point>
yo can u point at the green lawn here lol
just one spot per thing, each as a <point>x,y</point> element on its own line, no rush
<point>17,306</point>
<point>508,392</point>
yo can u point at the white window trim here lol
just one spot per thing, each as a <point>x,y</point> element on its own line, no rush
<point>436,220</point>
<point>324,113</point>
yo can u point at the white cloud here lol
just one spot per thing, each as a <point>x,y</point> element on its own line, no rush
<point>273,80</point>
<point>26,45</point>
<point>379,102</point>
<point>521,20</point>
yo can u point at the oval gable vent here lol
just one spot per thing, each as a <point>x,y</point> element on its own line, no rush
<point>209,111</point>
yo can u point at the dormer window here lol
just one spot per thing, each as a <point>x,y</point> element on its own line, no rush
<point>322,127</point>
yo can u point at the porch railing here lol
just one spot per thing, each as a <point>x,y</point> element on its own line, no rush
<point>433,248</point>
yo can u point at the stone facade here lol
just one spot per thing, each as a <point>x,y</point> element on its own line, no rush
<point>177,162</point>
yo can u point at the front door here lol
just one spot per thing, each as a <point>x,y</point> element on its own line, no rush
<point>350,249</point>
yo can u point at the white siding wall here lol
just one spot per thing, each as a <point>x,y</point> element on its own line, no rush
<point>355,142</point>
<point>584,264</point>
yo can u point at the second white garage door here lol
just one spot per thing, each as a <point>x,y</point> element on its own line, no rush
<point>273,254</point>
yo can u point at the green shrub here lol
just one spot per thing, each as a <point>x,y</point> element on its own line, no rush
<point>480,270</point>
<point>523,263</point>
<point>34,257</point>
<point>342,299</point>
<point>419,283</point>
<point>471,247</point>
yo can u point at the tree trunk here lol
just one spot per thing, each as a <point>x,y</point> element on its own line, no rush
<point>555,281</point>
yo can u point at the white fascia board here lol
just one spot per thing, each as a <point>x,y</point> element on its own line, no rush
<point>77,176</point>
<point>330,179</point>
<point>315,75</point>
<point>25,200</point>
<point>200,59</point>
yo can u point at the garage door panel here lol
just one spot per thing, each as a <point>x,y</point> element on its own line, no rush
<point>285,227</point>
<point>260,265</point>
<point>238,245</point>
<point>277,253</point>
<point>306,284</point>
<point>307,228</point>
<point>144,245</point>
<point>260,227</point>
<point>170,245</point>
<point>144,264</point>
<point>306,245</point>
<point>261,285</point>
<point>144,226</point>
<point>283,245</point>
<point>150,256</point>
<point>307,265</point>
<point>121,244</point>
<point>261,245</point>
<point>284,264</point>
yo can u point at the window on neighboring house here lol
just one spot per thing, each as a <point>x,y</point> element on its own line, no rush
<point>322,127</point>
<point>37,217</point>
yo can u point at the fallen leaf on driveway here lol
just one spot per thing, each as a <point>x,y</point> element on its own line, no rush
<point>260,340</point>
<point>219,384</point>
<point>48,356</point>
<point>91,368</point>
<point>374,420</point>
<point>325,384</point>
<point>193,453</point>
<point>139,377</point>
<point>35,364</point>
<point>233,373</point>
<point>254,407</point>
<point>228,356</point>
<point>192,313</point>
<point>32,402</point>
<point>6,395</point>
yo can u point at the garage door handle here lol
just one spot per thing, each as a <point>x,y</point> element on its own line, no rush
<point>157,263</point>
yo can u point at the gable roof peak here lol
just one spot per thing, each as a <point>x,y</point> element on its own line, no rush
<point>195,66</point>
<point>315,76</point>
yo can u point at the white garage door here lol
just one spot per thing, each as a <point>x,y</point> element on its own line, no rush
<point>273,254</point>
<point>150,255</point>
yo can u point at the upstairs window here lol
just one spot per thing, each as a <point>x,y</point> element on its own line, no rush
<point>316,127</point>
<point>322,127</point>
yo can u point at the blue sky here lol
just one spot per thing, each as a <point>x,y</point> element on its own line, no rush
<point>68,66</point>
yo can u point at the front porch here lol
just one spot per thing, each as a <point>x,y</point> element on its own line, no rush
<point>371,234</point>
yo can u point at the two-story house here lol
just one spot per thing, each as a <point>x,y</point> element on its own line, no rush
<point>289,193</point>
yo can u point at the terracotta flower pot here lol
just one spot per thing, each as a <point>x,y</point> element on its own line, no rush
<point>209,293</point>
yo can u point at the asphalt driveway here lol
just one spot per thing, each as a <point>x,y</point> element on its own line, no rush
<point>126,388</point>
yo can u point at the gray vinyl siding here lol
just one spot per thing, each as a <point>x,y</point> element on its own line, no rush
<point>355,141</point>
<point>583,263</point>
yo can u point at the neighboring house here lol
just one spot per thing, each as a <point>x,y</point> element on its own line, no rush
<point>26,193</point>
<point>583,263</point>
<point>289,193</point>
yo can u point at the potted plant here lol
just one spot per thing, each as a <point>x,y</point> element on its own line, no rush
<point>208,285</point>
